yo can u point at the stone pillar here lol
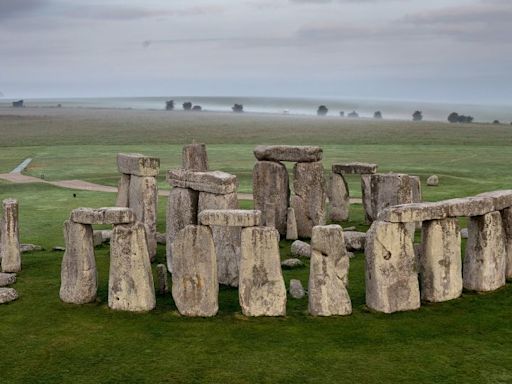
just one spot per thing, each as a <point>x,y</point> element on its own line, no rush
<point>130,284</point>
<point>78,276</point>
<point>440,261</point>
<point>391,275</point>
<point>195,288</point>
<point>484,267</point>
<point>262,291</point>
<point>366,190</point>
<point>388,189</point>
<point>506,216</point>
<point>162,282</point>
<point>310,196</point>
<point>271,185</point>
<point>9,237</point>
<point>291,225</point>
<point>328,277</point>
<point>339,198</point>
<point>194,157</point>
<point>123,191</point>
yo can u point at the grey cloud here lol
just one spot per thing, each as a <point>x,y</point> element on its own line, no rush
<point>15,8</point>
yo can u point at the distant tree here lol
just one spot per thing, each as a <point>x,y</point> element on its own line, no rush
<point>322,110</point>
<point>453,117</point>
<point>353,114</point>
<point>197,108</point>
<point>377,115</point>
<point>417,116</point>
<point>187,106</point>
<point>466,119</point>
<point>496,122</point>
<point>342,113</point>
<point>238,108</point>
<point>169,105</point>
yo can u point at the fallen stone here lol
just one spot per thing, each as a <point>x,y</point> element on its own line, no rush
<point>354,240</point>
<point>7,279</point>
<point>296,289</point>
<point>58,249</point>
<point>296,154</point>
<point>339,198</point>
<point>410,213</point>
<point>161,238</point>
<point>262,291</point>
<point>468,206</point>
<point>355,168</point>
<point>433,181</point>
<point>366,190</point>
<point>501,199</point>
<point>162,282</point>
<point>464,233</point>
<point>506,217</point>
<point>106,234</point>
<point>349,229</point>
<point>291,225</point>
<point>97,238</point>
<point>123,191</point>
<point>7,295</point>
<point>291,263</point>
<point>301,249</point>
<point>194,157</point>
<point>212,182</point>
<point>10,238</point>
<point>230,217</point>
<point>30,248</point>
<point>110,215</point>
<point>328,276</point>
<point>138,165</point>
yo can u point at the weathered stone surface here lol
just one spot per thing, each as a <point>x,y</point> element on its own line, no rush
<point>7,279</point>
<point>130,284</point>
<point>484,267</point>
<point>271,185</point>
<point>328,276</point>
<point>464,233</point>
<point>270,215</point>
<point>354,240</point>
<point>162,282</point>
<point>301,249</point>
<point>181,211</point>
<point>389,189</point>
<point>195,157</point>
<point>58,249</point>
<point>501,199</point>
<point>391,274</point>
<point>468,206</point>
<point>78,275</point>
<point>106,234</point>
<point>144,202</point>
<point>138,165</point>
<point>262,291</point>
<point>97,238</point>
<point>7,295</point>
<point>291,263</point>
<point>161,238</point>
<point>339,198</point>
<point>506,216</point>
<point>416,189</point>
<point>310,196</point>
<point>30,248</point>
<point>195,288</point>
<point>227,239</point>
<point>433,181</point>
<point>291,225</point>
<point>296,289</point>
<point>123,191</point>
<point>355,168</point>
<point>440,262</point>
<point>301,154</point>
<point>107,215</point>
<point>230,217</point>
<point>366,190</point>
<point>9,237</point>
<point>410,213</point>
<point>212,181</point>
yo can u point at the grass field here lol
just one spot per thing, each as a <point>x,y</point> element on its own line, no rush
<point>45,341</point>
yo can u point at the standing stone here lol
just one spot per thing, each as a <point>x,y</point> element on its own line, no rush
<point>440,261</point>
<point>195,288</point>
<point>291,225</point>
<point>130,283</point>
<point>123,191</point>
<point>366,190</point>
<point>271,185</point>
<point>78,276</point>
<point>390,189</point>
<point>195,157</point>
<point>416,189</point>
<point>227,239</point>
<point>262,291</point>
<point>506,216</point>
<point>181,211</point>
<point>309,199</point>
<point>484,267</point>
<point>391,276</point>
<point>161,279</point>
<point>143,201</point>
<point>270,215</point>
<point>339,198</point>
<point>296,289</point>
<point>328,276</point>
<point>9,237</point>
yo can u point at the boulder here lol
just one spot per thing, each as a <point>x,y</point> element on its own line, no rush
<point>9,237</point>
<point>161,238</point>
<point>7,279</point>
<point>138,165</point>
<point>162,282</point>
<point>211,182</point>
<point>123,191</point>
<point>355,168</point>
<point>109,215</point>
<point>296,289</point>
<point>7,295</point>
<point>468,206</point>
<point>230,217</point>
<point>301,249</point>
<point>291,225</point>
<point>354,240</point>
<point>194,157</point>
<point>464,233</point>
<point>339,198</point>
<point>291,263</point>
<point>296,154</point>
<point>24,248</point>
<point>433,181</point>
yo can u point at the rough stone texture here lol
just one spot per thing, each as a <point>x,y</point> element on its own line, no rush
<point>161,238</point>
<point>97,238</point>
<point>296,154</point>
<point>30,248</point>
<point>143,202</point>
<point>366,193</point>
<point>328,276</point>
<point>195,288</point>
<point>468,206</point>
<point>410,213</point>
<point>296,289</point>
<point>10,253</point>
<point>262,291</point>
<point>484,267</point>
<point>7,279</point>
<point>271,185</point>
<point>291,263</point>
<point>162,282</point>
<point>212,181</point>
<point>310,196</point>
<point>270,215</point>
<point>464,233</point>
<point>391,275</point>
<point>181,211</point>
<point>339,198</point>
<point>301,249</point>
<point>227,239</point>
<point>506,216</point>
<point>130,283</point>
<point>355,168</point>
<point>78,276</point>
<point>106,215</point>
<point>389,189</point>
<point>123,191</point>
<point>7,295</point>
<point>417,196</point>
<point>230,217</point>
<point>501,199</point>
<point>440,262</point>
<point>433,181</point>
<point>195,157</point>
<point>106,234</point>
<point>354,240</point>
<point>291,225</point>
<point>138,164</point>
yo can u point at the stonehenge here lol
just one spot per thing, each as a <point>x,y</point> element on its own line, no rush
<point>10,253</point>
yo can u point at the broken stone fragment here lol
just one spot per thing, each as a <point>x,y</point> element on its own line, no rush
<point>291,263</point>
<point>7,279</point>
<point>301,249</point>
<point>354,240</point>
<point>7,295</point>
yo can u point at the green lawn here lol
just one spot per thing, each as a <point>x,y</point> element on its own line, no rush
<point>45,341</point>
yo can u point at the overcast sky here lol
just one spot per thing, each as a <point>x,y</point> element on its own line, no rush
<point>449,50</point>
